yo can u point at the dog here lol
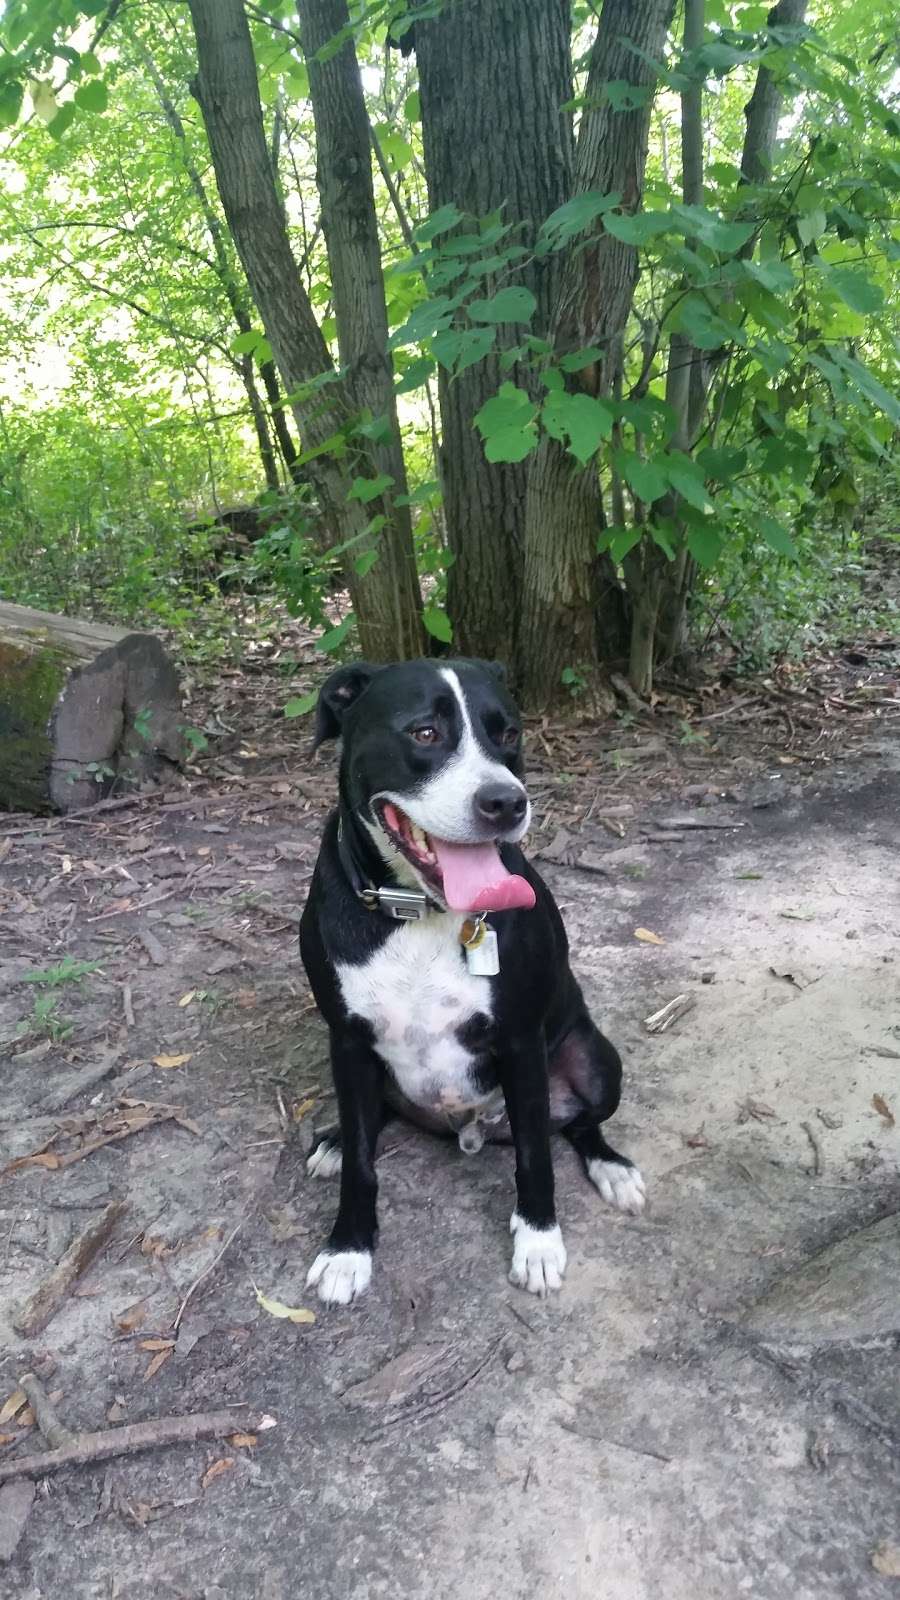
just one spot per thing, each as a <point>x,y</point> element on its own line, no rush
<point>438,958</point>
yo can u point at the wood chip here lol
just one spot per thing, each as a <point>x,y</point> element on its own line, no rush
<point>667,1014</point>
<point>47,1300</point>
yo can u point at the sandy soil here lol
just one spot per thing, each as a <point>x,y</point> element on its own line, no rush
<point>710,1408</point>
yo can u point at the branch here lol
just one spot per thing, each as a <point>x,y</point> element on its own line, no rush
<point>43,1305</point>
<point>109,1442</point>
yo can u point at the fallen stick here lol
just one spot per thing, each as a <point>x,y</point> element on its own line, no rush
<point>818,1161</point>
<point>54,1432</point>
<point>663,1019</point>
<point>49,1296</point>
<point>134,1436</point>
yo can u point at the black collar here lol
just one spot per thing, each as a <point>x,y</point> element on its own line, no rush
<point>403,905</point>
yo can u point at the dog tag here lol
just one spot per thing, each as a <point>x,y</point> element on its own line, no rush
<point>483,957</point>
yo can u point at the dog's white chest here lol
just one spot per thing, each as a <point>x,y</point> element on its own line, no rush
<point>416,992</point>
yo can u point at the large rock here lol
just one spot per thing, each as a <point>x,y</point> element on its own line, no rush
<point>84,709</point>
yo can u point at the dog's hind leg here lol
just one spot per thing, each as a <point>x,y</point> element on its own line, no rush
<point>324,1160</point>
<point>586,1078</point>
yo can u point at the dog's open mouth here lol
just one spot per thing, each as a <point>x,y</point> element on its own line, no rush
<point>468,877</point>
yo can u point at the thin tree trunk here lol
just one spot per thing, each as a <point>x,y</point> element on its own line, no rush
<point>763,109</point>
<point>227,90</point>
<point>238,301</point>
<point>350,226</point>
<point>562,575</point>
<point>493,77</point>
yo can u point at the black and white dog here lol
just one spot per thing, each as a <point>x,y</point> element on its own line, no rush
<point>439,960</point>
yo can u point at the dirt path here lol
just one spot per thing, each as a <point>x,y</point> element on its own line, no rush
<point>709,1409</point>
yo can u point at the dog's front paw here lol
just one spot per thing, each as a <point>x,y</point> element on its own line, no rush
<point>340,1275</point>
<point>539,1256</point>
<point>620,1183</point>
<point>325,1159</point>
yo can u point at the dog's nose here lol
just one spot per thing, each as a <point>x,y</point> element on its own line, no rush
<point>501,805</point>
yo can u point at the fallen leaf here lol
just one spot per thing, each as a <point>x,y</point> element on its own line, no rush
<point>172,1061</point>
<point>11,1407</point>
<point>276,1308</point>
<point>156,1344</point>
<point>8,1438</point>
<point>158,1361</point>
<point>131,1317</point>
<point>300,1111</point>
<point>246,999</point>
<point>646,937</point>
<point>25,1419</point>
<point>886,1559</point>
<point>225,1464</point>
<point>66,864</point>
<point>798,916</point>
<point>187,998</point>
<point>243,1441</point>
<point>883,1109</point>
<point>116,1412</point>
<point>696,1141</point>
<point>158,1248</point>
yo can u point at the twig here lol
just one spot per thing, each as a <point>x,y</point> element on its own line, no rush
<point>54,1431</point>
<point>818,1158</point>
<point>127,1006</point>
<point>135,1436</point>
<point>663,1019</point>
<point>206,1272</point>
<point>599,1438</point>
<point>47,1299</point>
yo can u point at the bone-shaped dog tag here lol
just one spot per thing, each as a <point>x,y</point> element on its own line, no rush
<point>483,958</point>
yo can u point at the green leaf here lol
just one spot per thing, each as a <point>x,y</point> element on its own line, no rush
<point>660,534</point>
<point>647,478</point>
<point>244,344</point>
<point>686,477</point>
<point>624,96</point>
<point>705,545</point>
<point>421,495</point>
<point>856,289</point>
<point>511,444</point>
<point>414,375</point>
<point>777,537</point>
<point>509,408</point>
<point>576,215</point>
<point>63,120</point>
<point>579,359</point>
<point>459,348</point>
<point>11,96</point>
<point>721,463</point>
<point>301,705</point>
<point>861,378</point>
<point>334,638</point>
<point>412,109</point>
<point>440,221</point>
<point>366,489</point>
<point>366,561</point>
<point>515,304</point>
<point>92,96</point>
<point>438,624</point>
<point>812,226</point>
<point>580,419</point>
<point>624,540</point>
<point>44,101</point>
<point>638,229</point>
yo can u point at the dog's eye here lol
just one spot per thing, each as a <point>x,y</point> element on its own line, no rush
<point>510,736</point>
<point>426,735</point>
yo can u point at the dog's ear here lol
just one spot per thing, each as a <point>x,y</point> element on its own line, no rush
<point>496,669</point>
<point>336,696</point>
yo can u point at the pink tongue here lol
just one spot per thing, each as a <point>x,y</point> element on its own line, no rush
<point>475,878</point>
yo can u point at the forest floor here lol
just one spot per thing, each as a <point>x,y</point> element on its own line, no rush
<point>710,1406</point>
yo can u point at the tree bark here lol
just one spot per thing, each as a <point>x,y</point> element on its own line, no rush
<point>493,77</point>
<point>228,94</point>
<point>763,110</point>
<point>350,226</point>
<point>562,573</point>
<point>83,708</point>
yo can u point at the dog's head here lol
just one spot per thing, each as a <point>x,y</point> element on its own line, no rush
<point>431,767</point>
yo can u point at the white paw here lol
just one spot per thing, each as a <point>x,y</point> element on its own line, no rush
<point>539,1256</point>
<point>621,1186</point>
<point>340,1275</point>
<point>325,1160</point>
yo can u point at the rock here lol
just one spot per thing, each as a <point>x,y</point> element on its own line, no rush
<point>847,1292</point>
<point>16,1500</point>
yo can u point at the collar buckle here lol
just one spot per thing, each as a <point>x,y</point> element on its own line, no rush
<point>404,905</point>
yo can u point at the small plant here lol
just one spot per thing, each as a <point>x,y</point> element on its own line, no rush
<point>689,735</point>
<point>66,971</point>
<point>573,680</point>
<point>43,1023</point>
<point>142,721</point>
<point>197,740</point>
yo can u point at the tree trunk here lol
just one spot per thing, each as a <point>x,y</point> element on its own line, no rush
<point>83,708</point>
<point>350,226</point>
<point>763,109</point>
<point>228,93</point>
<point>561,568</point>
<point>493,77</point>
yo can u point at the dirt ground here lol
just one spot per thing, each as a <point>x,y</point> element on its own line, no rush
<point>710,1408</point>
